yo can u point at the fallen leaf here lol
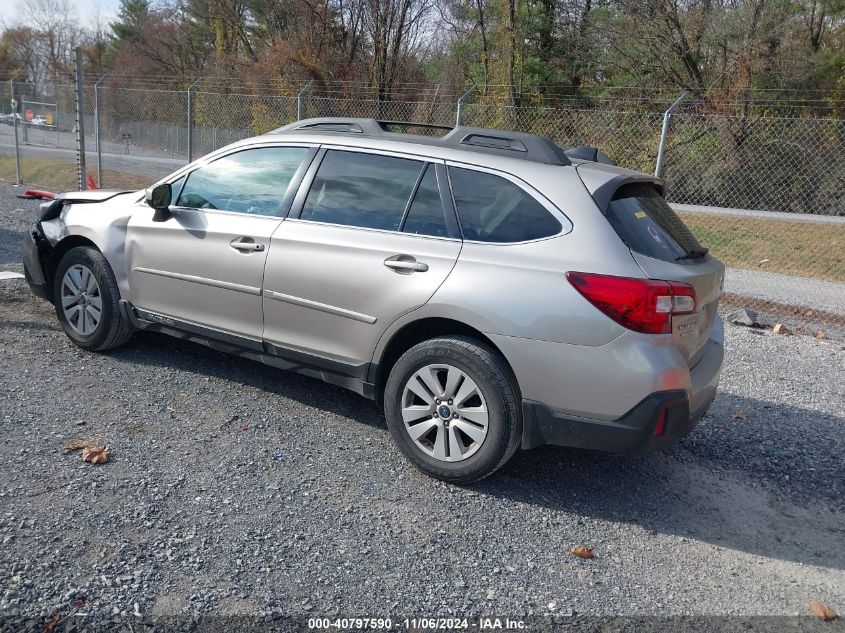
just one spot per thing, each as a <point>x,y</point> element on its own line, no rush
<point>819,334</point>
<point>738,415</point>
<point>582,552</point>
<point>95,454</point>
<point>50,624</point>
<point>822,611</point>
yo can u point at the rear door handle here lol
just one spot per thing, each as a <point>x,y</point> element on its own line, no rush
<point>405,264</point>
<point>246,244</point>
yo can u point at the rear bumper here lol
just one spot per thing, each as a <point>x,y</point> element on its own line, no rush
<point>635,432</point>
<point>32,269</point>
<point>677,411</point>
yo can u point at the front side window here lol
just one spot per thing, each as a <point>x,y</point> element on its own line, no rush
<point>253,181</point>
<point>493,209</point>
<point>363,190</point>
<point>175,190</point>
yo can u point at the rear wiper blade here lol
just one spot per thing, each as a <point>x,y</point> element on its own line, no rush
<point>695,254</point>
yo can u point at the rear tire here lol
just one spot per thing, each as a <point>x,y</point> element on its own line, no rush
<point>453,408</point>
<point>87,301</point>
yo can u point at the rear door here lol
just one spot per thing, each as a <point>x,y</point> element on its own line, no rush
<point>664,248</point>
<point>368,240</point>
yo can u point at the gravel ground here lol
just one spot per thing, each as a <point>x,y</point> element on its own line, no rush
<point>236,489</point>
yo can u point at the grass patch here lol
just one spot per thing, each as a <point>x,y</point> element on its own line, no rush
<point>807,249</point>
<point>60,175</point>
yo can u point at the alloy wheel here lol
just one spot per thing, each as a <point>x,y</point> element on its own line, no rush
<point>82,302</point>
<point>444,412</point>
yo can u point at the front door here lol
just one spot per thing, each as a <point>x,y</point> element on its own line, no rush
<point>205,264</point>
<point>368,241</point>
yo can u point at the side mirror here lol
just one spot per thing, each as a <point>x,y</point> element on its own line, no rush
<point>158,198</point>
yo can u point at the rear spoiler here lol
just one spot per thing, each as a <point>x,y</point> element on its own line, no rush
<point>603,181</point>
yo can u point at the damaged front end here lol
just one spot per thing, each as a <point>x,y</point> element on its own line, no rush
<point>40,243</point>
<point>36,249</point>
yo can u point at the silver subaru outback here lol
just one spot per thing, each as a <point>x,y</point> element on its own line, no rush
<point>489,289</point>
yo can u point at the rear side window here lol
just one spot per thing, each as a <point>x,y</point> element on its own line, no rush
<point>493,209</point>
<point>365,190</point>
<point>425,217</point>
<point>649,226</point>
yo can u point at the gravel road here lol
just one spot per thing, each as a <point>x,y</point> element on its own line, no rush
<point>236,489</point>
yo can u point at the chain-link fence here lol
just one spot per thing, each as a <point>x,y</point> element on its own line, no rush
<point>40,133</point>
<point>765,193</point>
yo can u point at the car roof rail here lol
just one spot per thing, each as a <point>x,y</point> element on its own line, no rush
<point>519,145</point>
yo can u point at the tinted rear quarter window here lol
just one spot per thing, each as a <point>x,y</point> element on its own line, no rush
<point>493,209</point>
<point>649,226</point>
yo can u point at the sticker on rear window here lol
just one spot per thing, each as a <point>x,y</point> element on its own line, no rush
<point>653,232</point>
<point>640,215</point>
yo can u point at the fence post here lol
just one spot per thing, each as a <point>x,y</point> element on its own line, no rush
<point>299,98</point>
<point>80,121</point>
<point>97,131</point>
<point>14,105</point>
<point>664,134</point>
<point>191,120</point>
<point>461,102</point>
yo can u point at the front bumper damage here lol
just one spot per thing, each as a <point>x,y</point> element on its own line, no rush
<point>35,249</point>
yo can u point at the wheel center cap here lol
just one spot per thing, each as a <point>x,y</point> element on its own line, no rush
<point>444,412</point>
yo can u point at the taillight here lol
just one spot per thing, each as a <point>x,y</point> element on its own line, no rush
<point>642,305</point>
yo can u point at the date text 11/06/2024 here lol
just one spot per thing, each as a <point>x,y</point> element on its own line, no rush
<point>440,624</point>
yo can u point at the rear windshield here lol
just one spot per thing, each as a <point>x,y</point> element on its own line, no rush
<point>647,224</point>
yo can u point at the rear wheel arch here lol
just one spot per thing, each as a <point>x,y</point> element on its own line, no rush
<point>421,330</point>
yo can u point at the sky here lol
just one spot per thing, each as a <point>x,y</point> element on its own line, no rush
<point>87,11</point>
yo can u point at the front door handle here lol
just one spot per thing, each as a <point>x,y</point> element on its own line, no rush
<point>246,244</point>
<point>405,264</point>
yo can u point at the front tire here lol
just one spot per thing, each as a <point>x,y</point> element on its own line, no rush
<point>453,408</point>
<point>87,299</point>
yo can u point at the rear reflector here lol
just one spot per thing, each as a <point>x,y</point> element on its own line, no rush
<point>642,305</point>
<point>660,427</point>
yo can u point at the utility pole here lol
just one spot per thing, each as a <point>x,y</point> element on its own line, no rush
<point>98,132</point>
<point>80,122</point>
<point>191,120</point>
<point>15,122</point>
